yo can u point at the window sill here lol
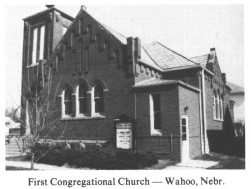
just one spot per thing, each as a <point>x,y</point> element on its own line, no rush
<point>219,120</point>
<point>83,118</point>
<point>33,65</point>
<point>156,133</point>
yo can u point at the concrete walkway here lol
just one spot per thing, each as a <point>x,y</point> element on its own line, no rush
<point>38,166</point>
<point>193,164</point>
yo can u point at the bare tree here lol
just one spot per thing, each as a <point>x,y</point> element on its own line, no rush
<point>39,114</point>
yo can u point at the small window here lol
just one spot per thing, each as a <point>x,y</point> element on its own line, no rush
<point>99,98</point>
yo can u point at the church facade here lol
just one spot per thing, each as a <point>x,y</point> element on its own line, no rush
<point>176,105</point>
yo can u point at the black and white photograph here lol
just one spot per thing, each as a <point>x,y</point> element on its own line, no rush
<point>124,87</point>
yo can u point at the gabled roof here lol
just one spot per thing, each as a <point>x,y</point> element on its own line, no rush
<point>117,35</point>
<point>202,60</point>
<point>235,89</point>
<point>164,57</point>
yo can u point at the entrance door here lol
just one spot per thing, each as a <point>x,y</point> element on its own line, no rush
<point>185,138</point>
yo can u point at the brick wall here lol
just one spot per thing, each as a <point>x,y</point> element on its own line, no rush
<point>189,76</point>
<point>190,99</point>
<point>169,120</point>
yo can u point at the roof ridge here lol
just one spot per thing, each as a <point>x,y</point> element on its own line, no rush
<point>198,56</point>
<point>113,30</point>
<point>177,53</point>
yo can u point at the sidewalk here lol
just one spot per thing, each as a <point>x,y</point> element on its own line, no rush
<point>37,166</point>
<point>193,164</point>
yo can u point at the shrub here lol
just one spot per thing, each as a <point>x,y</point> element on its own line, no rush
<point>94,156</point>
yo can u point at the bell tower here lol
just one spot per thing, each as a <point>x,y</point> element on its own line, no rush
<point>42,32</point>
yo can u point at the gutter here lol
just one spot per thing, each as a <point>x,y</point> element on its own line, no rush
<point>174,82</point>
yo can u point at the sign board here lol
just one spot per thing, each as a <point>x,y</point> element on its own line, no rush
<point>124,135</point>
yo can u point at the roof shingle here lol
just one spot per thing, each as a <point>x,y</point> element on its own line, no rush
<point>235,89</point>
<point>164,57</point>
<point>202,60</point>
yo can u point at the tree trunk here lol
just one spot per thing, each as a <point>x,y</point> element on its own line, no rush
<point>32,160</point>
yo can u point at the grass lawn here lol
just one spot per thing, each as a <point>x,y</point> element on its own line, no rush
<point>225,161</point>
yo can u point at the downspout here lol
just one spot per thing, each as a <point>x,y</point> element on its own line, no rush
<point>206,147</point>
<point>201,120</point>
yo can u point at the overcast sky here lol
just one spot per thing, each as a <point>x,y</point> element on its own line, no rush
<point>190,30</point>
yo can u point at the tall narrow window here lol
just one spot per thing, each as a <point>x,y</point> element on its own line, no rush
<point>99,98</point>
<point>214,105</point>
<point>156,111</point>
<point>82,99</point>
<point>155,115</point>
<point>221,107</point>
<point>41,45</point>
<point>81,56</point>
<point>75,60</point>
<point>34,46</point>
<point>68,102</point>
<point>217,106</point>
<point>38,34</point>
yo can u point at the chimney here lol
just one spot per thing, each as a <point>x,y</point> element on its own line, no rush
<point>83,7</point>
<point>212,55</point>
<point>138,47</point>
<point>223,75</point>
<point>130,55</point>
<point>211,60</point>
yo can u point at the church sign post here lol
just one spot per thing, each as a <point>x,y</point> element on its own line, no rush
<point>124,133</point>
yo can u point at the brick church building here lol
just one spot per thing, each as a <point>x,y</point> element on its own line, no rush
<point>177,106</point>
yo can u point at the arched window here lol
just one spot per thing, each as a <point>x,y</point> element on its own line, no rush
<point>67,102</point>
<point>99,98</point>
<point>81,100</point>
